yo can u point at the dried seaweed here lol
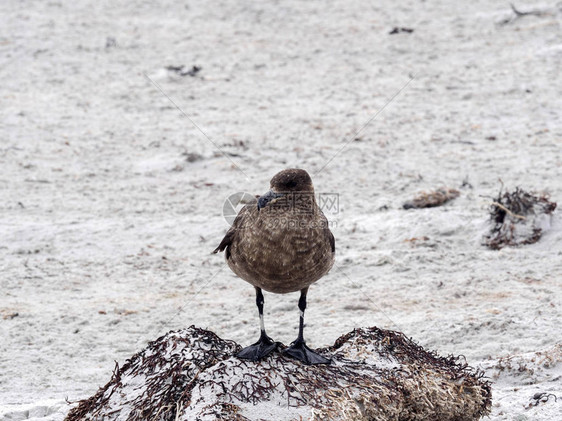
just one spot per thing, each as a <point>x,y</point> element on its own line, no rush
<point>375,375</point>
<point>165,367</point>
<point>432,387</point>
<point>432,199</point>
<point>517,218</point>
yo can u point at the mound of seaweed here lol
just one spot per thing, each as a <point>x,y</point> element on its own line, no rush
<point>375,374</point>
<point>518,218</point>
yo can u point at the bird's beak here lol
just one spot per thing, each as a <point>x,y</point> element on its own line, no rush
<point>268,197</point>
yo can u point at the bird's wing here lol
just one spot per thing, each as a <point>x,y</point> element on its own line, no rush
<point>332,240</point>
<point>226,241</point>
<point>245,215</point>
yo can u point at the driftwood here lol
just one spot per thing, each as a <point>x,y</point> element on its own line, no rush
<point>518,218</point>
<point>375,374</point>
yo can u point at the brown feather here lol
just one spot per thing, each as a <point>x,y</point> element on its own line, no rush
<point>285,246</point>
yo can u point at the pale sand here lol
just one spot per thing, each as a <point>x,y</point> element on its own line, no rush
<point>106,229</point>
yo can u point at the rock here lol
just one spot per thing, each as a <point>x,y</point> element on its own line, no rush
<point>375,374</point>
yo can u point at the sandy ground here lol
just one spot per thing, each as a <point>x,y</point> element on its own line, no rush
<point>112,198</point>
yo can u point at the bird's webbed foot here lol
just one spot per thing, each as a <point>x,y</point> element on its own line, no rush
<point>259,350</point>
<point>301,352</point>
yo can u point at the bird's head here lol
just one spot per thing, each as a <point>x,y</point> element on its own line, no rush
<point>291,181</point>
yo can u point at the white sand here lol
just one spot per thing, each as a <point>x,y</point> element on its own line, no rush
<point>106,230</point>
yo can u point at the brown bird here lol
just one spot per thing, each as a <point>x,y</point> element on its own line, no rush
<point>283,244</point>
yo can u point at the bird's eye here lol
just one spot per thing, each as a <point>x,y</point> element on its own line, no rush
<point>291,183</point>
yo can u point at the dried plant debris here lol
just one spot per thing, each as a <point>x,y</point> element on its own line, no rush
<point>539,398</point>
<point>518,218</point>
<point>375,374</point>
<point>517,14</point>
<point>182,71</point>
<point>432,199</point>
<point>398,30</point>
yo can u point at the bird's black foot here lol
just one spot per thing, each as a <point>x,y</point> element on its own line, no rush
<point>301,352</point>
<point>259,350</point>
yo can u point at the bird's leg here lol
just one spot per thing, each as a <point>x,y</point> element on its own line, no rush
<point>298,348</point>
<point>265,345</point>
